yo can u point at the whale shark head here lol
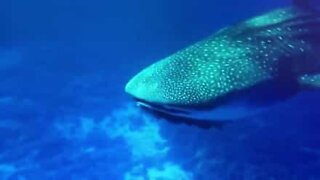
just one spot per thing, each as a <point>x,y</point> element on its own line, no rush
<point>277,47</point>
<point>197,75</point>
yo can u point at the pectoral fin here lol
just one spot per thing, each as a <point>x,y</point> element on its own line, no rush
<point>310,81</point>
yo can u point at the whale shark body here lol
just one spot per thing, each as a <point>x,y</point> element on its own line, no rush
<point>237,72</point>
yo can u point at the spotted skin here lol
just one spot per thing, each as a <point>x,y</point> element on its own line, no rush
<point>279,45</point>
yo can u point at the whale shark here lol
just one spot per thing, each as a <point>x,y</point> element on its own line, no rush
<point>238,72</point>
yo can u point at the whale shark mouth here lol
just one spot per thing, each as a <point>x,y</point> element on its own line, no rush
<point>178,115</point>
<point>161,108</point>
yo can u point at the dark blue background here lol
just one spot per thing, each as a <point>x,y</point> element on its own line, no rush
<point>64,115</point>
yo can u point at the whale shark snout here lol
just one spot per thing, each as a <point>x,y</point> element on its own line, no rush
<point>146,86</point>
<point>171,81</point>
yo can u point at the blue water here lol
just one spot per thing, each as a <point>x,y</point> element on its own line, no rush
<point>64,114</point>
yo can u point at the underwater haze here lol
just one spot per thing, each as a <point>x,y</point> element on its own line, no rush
<point>64,114</point>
